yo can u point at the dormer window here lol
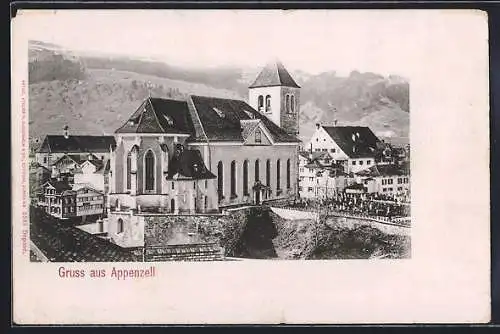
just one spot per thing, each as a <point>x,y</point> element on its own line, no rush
<point>258,136</point>
<point>169,120</point>
<point>219,112</point>
<point>249,114</point>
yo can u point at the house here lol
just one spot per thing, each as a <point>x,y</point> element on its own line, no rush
<point>89,201</point>
<point>74,147</point>
<point>319,175</point>
<point>386,179</point>
<point>94,172</point>
<point>57,199</point>
<point>205,153</point>
<point>354,146</point>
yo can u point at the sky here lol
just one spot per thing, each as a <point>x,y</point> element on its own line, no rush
<point>313,41</point>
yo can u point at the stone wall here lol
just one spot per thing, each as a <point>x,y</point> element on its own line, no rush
<point>184,230</point>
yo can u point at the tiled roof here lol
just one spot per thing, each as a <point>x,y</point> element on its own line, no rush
<point>385,170</point>
<point>274,74</point>
<point>64,243</point>
<point>156,115</point>
<point>355,141</point>
<point>220,120</point>
<point>188,164</point>
<point>76,144</point>
<point>60,186</point>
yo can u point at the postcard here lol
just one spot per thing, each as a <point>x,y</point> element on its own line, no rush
<point>250,166</point>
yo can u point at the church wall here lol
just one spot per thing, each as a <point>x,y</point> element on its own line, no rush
<point>238,153</point>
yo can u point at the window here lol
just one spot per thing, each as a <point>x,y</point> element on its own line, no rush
<point>258,136</point>
<point>233,178</point>
<point>332,150</point>
<point>119,228</point>
<point>268,103</point>
<point>129,170</point>
<point>287,103</point>
<point>353,162</point>
<point>390,181</point>
<point>300,188</point>
<point>311,178</point>
<point>384,190</point>
<point>400,188</point>
<point>400,180</point>
<point>390,189</point>
<point>361,162</point>
<point>317,139</point>
<point>172,205</point>
<point>310,189</point>
<point>245,178</point>
<point>288,174</point>
<point>278,172</point>
<point>260,102</point>
<point>44,160</point>
<point>220,180</point>
<point>194,185</point>
<point>257,170</point>
<point>324,150</point>
<point>302,169</point>
<point>292,103</point>
<point>173,185</point>
<point>317,150</point>
<point>268,172</point>
<point>149,171</point>
<point>368,162</point>
<point>206,184</point>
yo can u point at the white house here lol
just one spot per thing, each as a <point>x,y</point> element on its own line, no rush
<point>354,146</point>
<point>319,175</point>
<point>93,172</point>
<point>386,179</point>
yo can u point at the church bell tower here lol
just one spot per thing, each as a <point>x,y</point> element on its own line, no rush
<point>276,95</point>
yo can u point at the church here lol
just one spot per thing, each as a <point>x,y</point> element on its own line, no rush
<point>206,153</point>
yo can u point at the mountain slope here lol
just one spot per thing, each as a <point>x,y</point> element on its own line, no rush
<point>95,93</point>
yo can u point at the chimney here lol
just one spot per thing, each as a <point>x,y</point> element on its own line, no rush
<point>335,122</point>
<point>318,125</point>
<point>66,132</point>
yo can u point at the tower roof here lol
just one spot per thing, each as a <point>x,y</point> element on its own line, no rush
<point>274,74</point>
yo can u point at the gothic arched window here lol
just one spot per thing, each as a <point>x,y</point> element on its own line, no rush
<point>257,167</point>
<point>288,174</point>
<point>220,179</point>
<point>172,205</point>
<point>245,177</point>
<point>268,173</point>
<point>119,228</point>
<point>129,170</point>
<point>268,103</point>
<point>292,103</point>
<point>233,178</point>
<point>149,171</point>
<point>278,174</point>
<point>287,103</point>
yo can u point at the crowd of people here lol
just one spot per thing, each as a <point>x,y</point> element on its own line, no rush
<point>376,205</point>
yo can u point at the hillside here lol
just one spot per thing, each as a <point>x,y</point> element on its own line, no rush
<point>95,93</point>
